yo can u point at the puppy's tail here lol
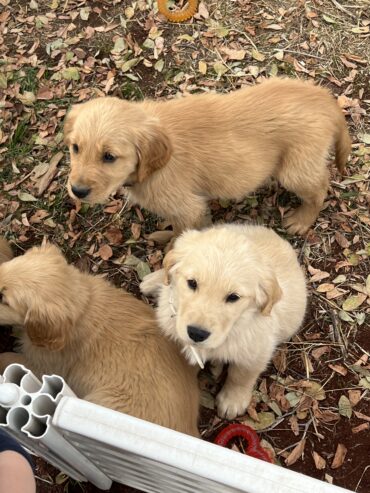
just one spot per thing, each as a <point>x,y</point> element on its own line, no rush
<point>342,145</point>
<point>5,251</point>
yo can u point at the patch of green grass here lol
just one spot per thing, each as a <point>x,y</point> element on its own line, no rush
<point>6,172</point>
<point>131,90</point>
<point>27,78</point>
<point>58,207</point>
<point>20,144</point>
<point>104,45</point>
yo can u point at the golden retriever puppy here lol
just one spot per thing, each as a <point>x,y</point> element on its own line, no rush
<point>230,294</point>
<point>176,155</point>
<point>102,340</point>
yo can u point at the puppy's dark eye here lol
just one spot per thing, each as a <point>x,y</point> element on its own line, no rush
<point>232,298</point>
<point>192,283</point>
<point>108,157</point>
<point>75,148</point>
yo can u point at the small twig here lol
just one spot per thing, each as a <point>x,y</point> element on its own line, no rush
<point>44,480</point>
<point>277,422</point>
<point>307,425</point>
<point>309,55</point>
<point>247,37</point>
<point>343,9</point>
<point>315,426</point>
<point>338,333</point>
<point>362,349</point>
<point>362,475</point>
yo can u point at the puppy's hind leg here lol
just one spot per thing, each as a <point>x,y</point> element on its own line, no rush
<point>310,182</point>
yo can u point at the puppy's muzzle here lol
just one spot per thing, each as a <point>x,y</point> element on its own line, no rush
<point>197,334</point>
<point>80,192</point>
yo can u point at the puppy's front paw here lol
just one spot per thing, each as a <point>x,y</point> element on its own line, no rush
<point>298,221</point>
<point>232,401</point>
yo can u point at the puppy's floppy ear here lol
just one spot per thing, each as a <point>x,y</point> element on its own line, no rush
<point>268,293</point>
<point>69,122</point>
<point>154,150</point>
<point>48,326</point>
<point>169,261</point>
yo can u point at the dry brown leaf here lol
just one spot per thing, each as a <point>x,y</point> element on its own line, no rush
<point>136,230</point>
<point>335,293</point>
<point>38,216</point>
<point>317,274</point>
<point>105,252</point>
<point>320,462</point>
<point>318,352</point>
<point>362,361</point>
<point>325,287</point>
<point>47,178</point>
<point>296,453</point>
<point>361,427</point>
<point>113,206</point>
<point>161,237</point>
<point>361,416</point>
<point>341,240</point>
<point>114,235</point>
<point>44,93</point>
<point>339,456</point>
<point>251,409</point>
<point>234,54</point>
<point>354,397</point>
<point>279,360</point>
<point>326,416</point>
<point>293,421</point>
<point>339,369</point>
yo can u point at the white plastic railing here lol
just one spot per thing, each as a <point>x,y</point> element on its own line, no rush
<point>26,410</point>
<point>90,442</point>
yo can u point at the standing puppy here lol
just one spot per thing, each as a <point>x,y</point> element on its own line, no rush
<point>230,294</point>
<point>176,155</point>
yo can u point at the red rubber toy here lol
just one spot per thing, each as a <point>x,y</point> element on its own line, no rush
<point>253,449</point>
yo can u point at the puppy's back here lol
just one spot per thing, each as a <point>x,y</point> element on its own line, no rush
<point>143,372</point>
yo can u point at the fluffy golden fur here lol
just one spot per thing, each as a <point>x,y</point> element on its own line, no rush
<point>102,340</point>
<point>176,155</point>
<point>249,295</point>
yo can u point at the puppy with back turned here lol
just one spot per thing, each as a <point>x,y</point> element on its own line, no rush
<point>104,342</point>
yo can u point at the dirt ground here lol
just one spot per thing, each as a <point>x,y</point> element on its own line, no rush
<point>311,406</point>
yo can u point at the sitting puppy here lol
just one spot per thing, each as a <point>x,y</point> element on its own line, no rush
<point>176,155</point>
<point>104,342</point>
<point>230,294</point>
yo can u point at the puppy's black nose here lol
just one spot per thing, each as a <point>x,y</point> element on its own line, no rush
<point>197,334</point>
<point>80,191</point>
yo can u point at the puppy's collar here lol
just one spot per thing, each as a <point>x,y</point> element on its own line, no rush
<point>195,353</point>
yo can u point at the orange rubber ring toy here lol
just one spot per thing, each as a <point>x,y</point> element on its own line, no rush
<point>181,15</point>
